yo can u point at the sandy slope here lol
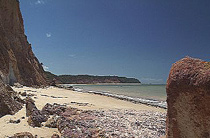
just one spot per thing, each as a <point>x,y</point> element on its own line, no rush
<point>62,96</point>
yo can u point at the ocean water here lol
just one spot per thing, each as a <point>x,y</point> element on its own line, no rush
<point>154,95</point>
<point>156,92</point>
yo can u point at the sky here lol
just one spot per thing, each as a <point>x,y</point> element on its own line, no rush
<point>131,38</point>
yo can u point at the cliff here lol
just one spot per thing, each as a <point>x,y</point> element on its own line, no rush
<point>188,99</point>
<point>18,62</point>
<point>88,79</point>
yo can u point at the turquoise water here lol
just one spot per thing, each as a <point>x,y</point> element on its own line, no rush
<point>157,92</point>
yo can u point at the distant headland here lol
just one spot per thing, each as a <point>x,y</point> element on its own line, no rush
<point>87,79</point>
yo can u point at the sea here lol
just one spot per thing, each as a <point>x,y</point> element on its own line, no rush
<point>154,95</point>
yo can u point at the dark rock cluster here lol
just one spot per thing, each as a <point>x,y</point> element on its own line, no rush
<point>76,123</point>
<point>10,102</point>
<point>70,122</point>
<point>36,117</point>
<point>53,109</point>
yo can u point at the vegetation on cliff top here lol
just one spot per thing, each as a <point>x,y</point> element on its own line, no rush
<point>88,79</point>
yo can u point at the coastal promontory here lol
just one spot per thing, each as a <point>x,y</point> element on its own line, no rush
<point>88,79</point>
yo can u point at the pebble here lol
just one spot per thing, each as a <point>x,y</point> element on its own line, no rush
<point>131,123</point>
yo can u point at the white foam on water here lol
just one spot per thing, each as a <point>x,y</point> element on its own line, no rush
<point>151,102</point>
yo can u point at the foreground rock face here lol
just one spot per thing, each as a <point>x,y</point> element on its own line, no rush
<point>10,103</point>
<point>18,63</point>
<point>36,117</point>
<point>188,98</point>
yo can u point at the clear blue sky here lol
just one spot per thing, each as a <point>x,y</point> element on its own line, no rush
<point>133,38</point>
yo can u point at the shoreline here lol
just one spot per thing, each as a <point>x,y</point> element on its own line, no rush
<point>146,101</point>
<point>83,100</point>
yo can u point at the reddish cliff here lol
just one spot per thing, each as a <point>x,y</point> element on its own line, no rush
<point>18,63</point>
<point>188,98</point>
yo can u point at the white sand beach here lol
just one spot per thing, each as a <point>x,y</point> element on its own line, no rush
<point>84,101</point>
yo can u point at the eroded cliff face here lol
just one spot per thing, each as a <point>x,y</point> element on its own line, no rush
<point>188,98</point>
<point>17,61</point>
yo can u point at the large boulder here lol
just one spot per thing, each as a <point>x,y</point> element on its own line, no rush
<point>188,99</point>
<point>18,62</point>
<point>10,103</point>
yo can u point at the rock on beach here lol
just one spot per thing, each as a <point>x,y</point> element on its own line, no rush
<point>188,99</point>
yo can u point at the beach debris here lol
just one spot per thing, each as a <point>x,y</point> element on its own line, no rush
<point>58,97</point>
<point>45,95</point>
<point>80,104</point>
<point>65,87</point>
<point>31,94</point>
<point>52,96</point>
<point>55,136</point>
<point>23,94</point>
<point>14,121</point>
<point>33,91</point>
<point>69,87</point>
<point>23,135</point>
<point>188,99</point>
<point>52,122</point>
<point>60,86</point>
